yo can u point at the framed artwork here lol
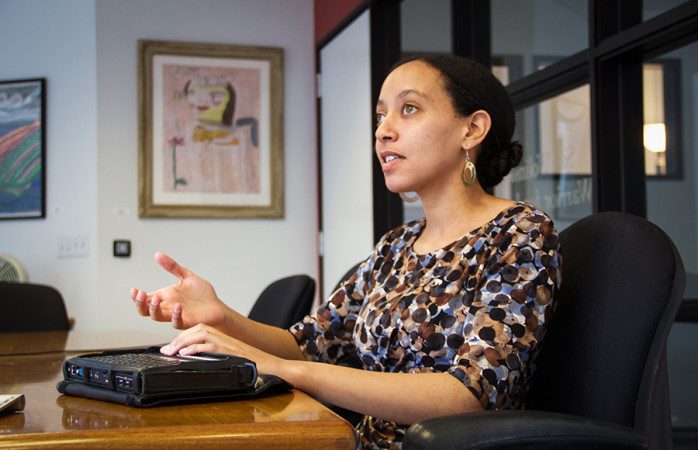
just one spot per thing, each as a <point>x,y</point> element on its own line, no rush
<point>210,130</point>
<point>22,149</point>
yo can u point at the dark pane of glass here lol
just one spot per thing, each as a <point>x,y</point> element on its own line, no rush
<point>671,99</point>
<point>529,32</point>
<point>651,8</point>
<point>425,26</point>
<point>555,173</point>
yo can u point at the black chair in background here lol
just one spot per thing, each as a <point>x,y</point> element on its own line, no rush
<point>31,307</point>
<point>285,301</point>
<point>602,375</point>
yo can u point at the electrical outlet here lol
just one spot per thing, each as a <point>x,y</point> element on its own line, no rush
<point>73,246</point>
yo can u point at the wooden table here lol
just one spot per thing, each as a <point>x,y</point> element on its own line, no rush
<point>51,420</point>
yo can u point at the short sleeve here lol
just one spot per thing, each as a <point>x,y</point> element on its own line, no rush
<point>509,305</point>
<point>326,335</point>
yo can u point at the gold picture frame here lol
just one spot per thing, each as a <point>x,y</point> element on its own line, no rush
<point>210,130</point>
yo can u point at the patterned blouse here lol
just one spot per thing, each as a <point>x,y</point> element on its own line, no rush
<point>475,309</point>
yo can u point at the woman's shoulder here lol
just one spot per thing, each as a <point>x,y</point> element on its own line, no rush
<point>403,233</point>
<point>521,209</point>
<point>527,219</point>
<point>524,213</point>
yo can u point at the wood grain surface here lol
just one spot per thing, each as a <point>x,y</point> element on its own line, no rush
<point>51,420</point>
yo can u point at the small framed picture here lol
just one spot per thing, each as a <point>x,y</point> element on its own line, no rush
<point>211,137</point>
<point>22,149</point>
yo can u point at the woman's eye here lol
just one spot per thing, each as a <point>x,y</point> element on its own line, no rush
<point>409,109</point>
<point>379,118</point>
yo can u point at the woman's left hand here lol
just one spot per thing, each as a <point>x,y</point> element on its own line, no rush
<point>204,338</point>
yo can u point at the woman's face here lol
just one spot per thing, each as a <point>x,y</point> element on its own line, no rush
<point>419,135</point>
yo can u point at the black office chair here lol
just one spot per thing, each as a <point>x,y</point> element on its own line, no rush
<point>602,375</point>
<point>31,307</point>
<point>284,302</point>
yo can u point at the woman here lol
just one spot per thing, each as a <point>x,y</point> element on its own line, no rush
<point>447,312</point>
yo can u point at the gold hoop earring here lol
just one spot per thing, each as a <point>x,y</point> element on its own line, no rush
<point>409,198</point>
<point>469,174</point>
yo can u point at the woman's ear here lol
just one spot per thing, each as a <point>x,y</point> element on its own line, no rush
<point>479,124</point>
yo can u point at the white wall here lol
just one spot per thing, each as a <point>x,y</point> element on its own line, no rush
<point>96,172</point>
<point>56,40</point>
<point>347,151</point>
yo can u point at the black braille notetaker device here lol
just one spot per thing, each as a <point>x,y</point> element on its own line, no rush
<point>145,377</point>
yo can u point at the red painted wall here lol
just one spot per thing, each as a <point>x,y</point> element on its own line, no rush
<point>329,14</point>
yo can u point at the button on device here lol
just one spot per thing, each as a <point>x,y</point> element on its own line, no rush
<point>123,381</point>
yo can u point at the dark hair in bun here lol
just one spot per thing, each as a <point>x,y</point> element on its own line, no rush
<point>471,86</point>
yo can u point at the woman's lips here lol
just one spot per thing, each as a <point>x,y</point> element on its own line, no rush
<point>390,161</point>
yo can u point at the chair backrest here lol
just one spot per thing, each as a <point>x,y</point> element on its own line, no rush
<point>31,307</point>
<point>285,301</point>
<point>604,355</point>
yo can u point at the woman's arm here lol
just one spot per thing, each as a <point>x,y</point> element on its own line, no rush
<point>273,340</point>
<point>400,397</point>
<point>404,398</point>
<point>193,300</point>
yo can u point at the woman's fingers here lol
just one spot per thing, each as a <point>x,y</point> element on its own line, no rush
<point>171,266</point>
<point>206,339</point>
<point>140,298</point>
<point>177,321</point>
<point>151,305</point>
<point>155,311</point>
<point>179,341</point>
<point>189,341</point>
<point>193,349</point>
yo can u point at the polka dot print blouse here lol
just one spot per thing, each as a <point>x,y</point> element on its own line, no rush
<point>475,309</point>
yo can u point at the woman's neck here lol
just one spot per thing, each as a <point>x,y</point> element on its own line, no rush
<point>450,216</point>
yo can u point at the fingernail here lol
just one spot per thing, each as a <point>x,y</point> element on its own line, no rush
<point>166,349</point>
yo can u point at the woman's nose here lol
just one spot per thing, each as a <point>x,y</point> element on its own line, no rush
<point>385,131</point>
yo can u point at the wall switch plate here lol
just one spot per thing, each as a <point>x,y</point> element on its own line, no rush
<point>73,246</point>
<point>122,248</point>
